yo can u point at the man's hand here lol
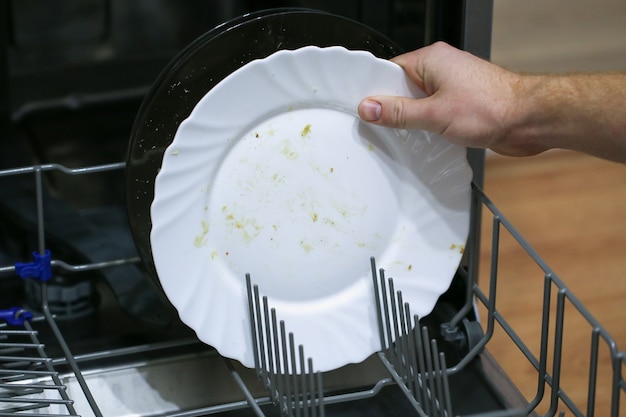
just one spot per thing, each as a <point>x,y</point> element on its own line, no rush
<point>475,103</point>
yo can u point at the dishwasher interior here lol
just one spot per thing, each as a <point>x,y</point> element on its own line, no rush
<point>85,331</point>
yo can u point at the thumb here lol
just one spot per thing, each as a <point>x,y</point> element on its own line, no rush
<point>402,113</point>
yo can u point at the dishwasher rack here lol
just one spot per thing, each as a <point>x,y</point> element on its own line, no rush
<point>31,384</point>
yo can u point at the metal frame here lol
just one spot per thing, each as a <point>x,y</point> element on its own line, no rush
<point>549,380</point>
<point>421,374</point>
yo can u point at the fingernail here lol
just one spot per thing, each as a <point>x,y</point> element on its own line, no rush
<point>370,110</point>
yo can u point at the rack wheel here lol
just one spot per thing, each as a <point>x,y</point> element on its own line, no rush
<point>464,337</point>
<point>473,334</point>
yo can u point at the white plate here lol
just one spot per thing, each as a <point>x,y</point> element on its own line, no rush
<point>274,174</point>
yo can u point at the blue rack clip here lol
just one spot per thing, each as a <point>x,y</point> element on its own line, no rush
<point>15,316</point>
<point>39,269</point>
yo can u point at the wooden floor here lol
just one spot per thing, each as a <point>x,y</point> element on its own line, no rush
<point>571,209</point>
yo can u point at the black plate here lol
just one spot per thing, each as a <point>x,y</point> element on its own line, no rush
<point>200,67</point>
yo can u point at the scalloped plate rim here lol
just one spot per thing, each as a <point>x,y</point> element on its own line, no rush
<point>237,345</point>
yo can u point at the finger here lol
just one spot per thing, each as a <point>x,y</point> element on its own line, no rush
<point>418,64</point>
<point>403,58</point>
<point>412,64</point>
<point>403,113</point>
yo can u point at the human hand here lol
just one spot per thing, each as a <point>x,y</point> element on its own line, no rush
<point>469,101</point>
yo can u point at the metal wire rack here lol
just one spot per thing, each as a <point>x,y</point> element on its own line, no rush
<point>30,382</point>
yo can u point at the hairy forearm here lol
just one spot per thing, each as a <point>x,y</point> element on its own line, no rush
<point>581,112</point>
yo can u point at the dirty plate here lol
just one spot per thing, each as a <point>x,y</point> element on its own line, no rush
<point>273,174</point>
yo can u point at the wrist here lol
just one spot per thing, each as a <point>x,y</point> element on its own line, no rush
<point>527,116</point>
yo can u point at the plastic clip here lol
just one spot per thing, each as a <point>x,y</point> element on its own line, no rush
<point>40,268</point>
<point>15,316</point>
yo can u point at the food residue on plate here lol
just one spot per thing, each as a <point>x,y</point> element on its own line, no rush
<point>329,221</point>
<point>307,246</point>
<point>306,131</point>
<point>201,240</point>
<point>460,248</point>
<point>287,151</point>
<point>310,245</point>
<point>248,227</point>
<point>279,178</point>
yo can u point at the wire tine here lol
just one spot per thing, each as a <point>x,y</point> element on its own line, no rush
<point>438,394</point>
<point>446,386</point>
<point>43,402</point>
<point>412,353</point>
<point>286,374</point>
<point>17,347</point>
<point>396,332</point>
<point>16,361</point>
<point>294,375</point>
<point>320,396</point>
<point>25,388</point>
<point>403,342</point>
<point>253,324</point>
<point>269,383</point>
<point>422,375</point>
<point>379,312</point>
<point>429,370</point>
<point>306,390</point>
<point>13,411</point>
<point>5,333</point>
<point>262,368</point>
<point>278,387</point>
<point>383,292</point>
<point>312,385</point>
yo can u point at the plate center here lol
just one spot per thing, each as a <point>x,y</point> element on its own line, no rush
<point>301,202</point>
